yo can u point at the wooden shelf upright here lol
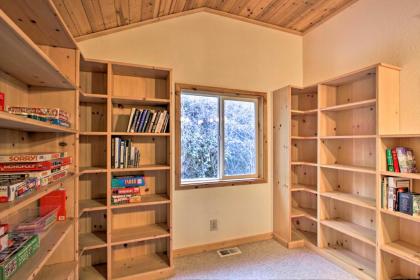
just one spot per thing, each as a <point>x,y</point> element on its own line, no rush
<point>128,240</point>
<point>349,227</point>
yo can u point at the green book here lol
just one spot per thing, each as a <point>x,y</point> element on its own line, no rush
<point>389,160</point>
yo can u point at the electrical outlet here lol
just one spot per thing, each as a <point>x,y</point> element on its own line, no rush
<point>213,225</point>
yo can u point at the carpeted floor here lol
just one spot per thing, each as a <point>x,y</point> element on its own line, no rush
<point>262,260</point>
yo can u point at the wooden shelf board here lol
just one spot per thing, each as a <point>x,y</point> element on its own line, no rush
<point>150,167</point>
<point>19,203</point>
<point>91,169</point>
<point>361,201</point>
<point>96,272</point>
<point>350,106</point>
<point>307,235</point>
<point>91,240</point>
<point>361,233</point>
<point>304,163</point>
<point>154,134</point>
<point>354,260</point>
<point>415,176</point>
<point>50,240</point>
<point>92,98</point>
<point>304,212</point>
<point>400,135</point>
<point>304,137</point>
<point>404,250</point>
<point>58,271</point>
<point>93,133</point>
<point>136,234</point>
<point>353,168</point>
<point>304,188</point>
<point>151,199</point>
<point>401,215</point>
<point>24,60</point>
<point>332,137</point>
<point>89,205</point>
<point>306,112</point>
<point>138,266</point>
<point>16,122</point>
<point>139,100</point>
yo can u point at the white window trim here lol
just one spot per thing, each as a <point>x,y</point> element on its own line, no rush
<point>221,176</point>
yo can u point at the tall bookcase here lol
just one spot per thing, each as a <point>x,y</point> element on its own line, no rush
<point>38,68</point>
<point>130,240</point>
<point>329,158</point>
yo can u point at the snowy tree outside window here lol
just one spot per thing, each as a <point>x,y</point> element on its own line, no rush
<point>218,137</point>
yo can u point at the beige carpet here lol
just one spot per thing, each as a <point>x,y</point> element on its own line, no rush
<point>262,260</point>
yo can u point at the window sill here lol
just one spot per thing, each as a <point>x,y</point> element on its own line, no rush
<point>221,183</point>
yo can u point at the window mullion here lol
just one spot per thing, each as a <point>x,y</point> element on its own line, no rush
<point>221,137</point>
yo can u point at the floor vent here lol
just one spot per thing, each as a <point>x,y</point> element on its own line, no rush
<point>227,252</point>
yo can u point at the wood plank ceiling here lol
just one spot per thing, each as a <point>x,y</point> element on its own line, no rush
<point>85,17</point>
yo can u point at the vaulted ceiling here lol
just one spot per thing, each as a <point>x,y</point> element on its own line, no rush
<point>84,17</point>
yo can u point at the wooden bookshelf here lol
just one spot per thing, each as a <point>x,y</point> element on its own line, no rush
<point>332,195</point>
<point>295,169</point>
<point>123,241</point>
<point>39,70</point>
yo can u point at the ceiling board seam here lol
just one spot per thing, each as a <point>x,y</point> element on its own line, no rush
<point>84,9</point>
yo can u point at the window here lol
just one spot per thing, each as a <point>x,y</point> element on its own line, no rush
<point>219,136</point>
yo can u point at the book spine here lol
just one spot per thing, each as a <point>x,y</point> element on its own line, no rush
<point>402,159</point>
<point>139,119</point>
<point>121,159</point>
<point>389,161</point>
<point>130,121</point>
<point>1,101</point>
<point>395,160</point>
<point>146,117</point>
<point>161,119</point>
<point>392,195</point>
<point>117,152</point>
<point>134,122</point>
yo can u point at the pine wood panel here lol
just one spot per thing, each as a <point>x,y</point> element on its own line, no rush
<point>85,17</point>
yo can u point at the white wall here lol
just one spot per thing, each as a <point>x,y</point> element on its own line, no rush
<point>207,49</point>
<point>368,32</point>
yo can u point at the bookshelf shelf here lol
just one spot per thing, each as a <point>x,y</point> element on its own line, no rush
<point>139,266</point>
<point>304,188</point>
<point>21,57</point>
<point>91,241</point>
<point>57,271</point>
<point>11,121</point>
<point>91,169</point>
<point>140,134</point>
<point>350,106</point>
<point>353,168</point>
<point>92,97</point>
<point>304,212</point>
<point>93,133</point>
<point>126,100</point>
<point>8,208</point>
<point>306,112</point>
<point>361,233</point>
<point>50,240</point>
<point>306,235</point>
<point>89,205</point>
<point>354,260</point>
<point>151,199</point>
<point>348,137</point>
<point>403,250</point>
<point>401,215</point>
<point>304,163</point>
<point>304,137</point>
<point>137,234</point>
<point>414,176</point>
<point>361,201</point>
<point>150,167</point>
<point>97,272</point>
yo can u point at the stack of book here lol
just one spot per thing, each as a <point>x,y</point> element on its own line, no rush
<point>20,174</point>
<point>401,159</point>
<point>127,189</point>
<point>53,116</point>
<point>124,154</point>
<point>145,120</point>
<point>396,196</point>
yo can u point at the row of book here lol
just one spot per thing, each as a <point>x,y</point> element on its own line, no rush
<point>124,154</point>
<point>21,174</point>
<point>53,116</point>
<point>401,159</point>
<point>127,189</point>
<point>145,120</point>
<point>396,195</point>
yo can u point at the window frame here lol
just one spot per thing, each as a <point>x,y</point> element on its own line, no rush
<point>260,101</point>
